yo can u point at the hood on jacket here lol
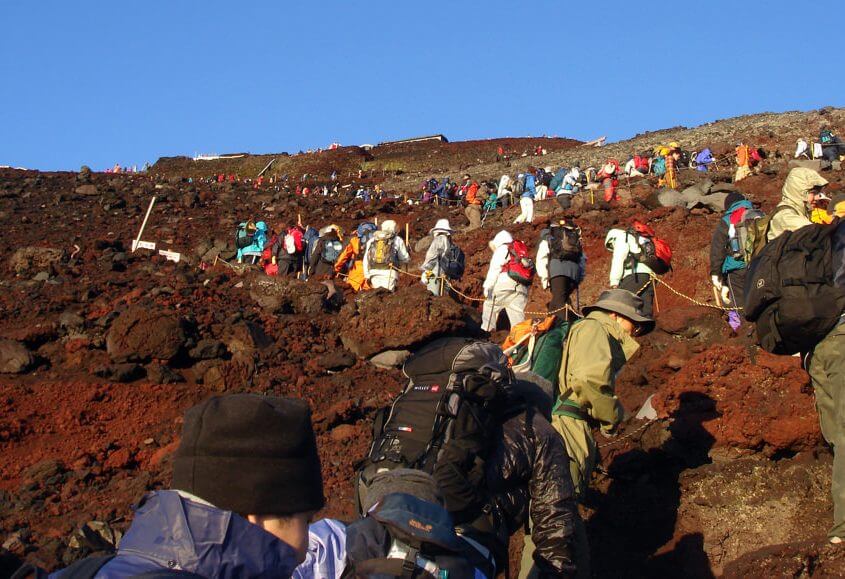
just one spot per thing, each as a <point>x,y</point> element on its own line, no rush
<point>798,183</point>
<point>501,238</point>
<point>171,528</point>
<point>261,226</point>
<point>388,226</point>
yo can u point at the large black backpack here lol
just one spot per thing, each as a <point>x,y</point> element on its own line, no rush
<point>565,243</point>
<point>404,536</point>
<point>789,290</point>
<point>444,421</point>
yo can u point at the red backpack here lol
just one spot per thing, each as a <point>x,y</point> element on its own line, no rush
<point>654,252</point>
<point>520,267</point>
<point>294,241</point>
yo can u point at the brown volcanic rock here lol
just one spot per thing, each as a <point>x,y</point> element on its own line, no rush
<point>378,321</point>
<point>741,398</point>
<point>140,333</point>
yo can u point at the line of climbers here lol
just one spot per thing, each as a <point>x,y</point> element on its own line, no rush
<point>484,440</point>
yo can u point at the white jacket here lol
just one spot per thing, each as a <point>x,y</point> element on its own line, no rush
<point>623,244</point>
<point>385,278</point>
<point>498,281</point>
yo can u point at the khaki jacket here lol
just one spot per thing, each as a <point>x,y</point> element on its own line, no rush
<point>797,213</point>
<point>595,352</point>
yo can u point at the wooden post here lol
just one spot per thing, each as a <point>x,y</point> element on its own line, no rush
<point>144,224</point>
<point>407,231</point>
<point>441,284</point>
<point>299,219</point>
<point>654,289</point>
<point>376,220</point>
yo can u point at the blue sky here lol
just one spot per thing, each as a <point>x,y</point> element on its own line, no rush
<point>103,82</point>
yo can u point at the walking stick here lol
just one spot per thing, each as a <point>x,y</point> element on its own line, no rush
<point>654,289</point>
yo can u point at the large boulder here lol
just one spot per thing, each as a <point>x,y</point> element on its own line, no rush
<point>34,259</point>
<point>14,357</point>
<point>142,334</point>
<point>377,320</point>
<point>285,295</point>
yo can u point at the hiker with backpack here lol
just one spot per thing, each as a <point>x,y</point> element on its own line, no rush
<point>384,252</point>
<point>288,251</point>
<point>670,178</point>
<point>596,349</point>
<point>442,259</point>
<point>795,294</point>
<point>473,204</point>
<point>325,252</point>
<point>608,177</point>
<point>351,260</point>
<point>638,254</point>
<point>246,483</point>
<point>508,279</point>
<point>494,456</point>
<point>526,197</point>
<point>504,194</point>
<point>570,185</point>
<point>561,263</point>
<point>730,253</point>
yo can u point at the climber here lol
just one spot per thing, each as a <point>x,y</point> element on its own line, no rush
<point>325,252</point>
<point>501,290</point>
<point>595,351</point>
<point>443,259</point>
<point>383,254</point>
<point>246,484</point>
<point>351,261</point>
<point>728,255</point>
<point>473,203</point>
<point>526,199</point>
<point>561,263</point>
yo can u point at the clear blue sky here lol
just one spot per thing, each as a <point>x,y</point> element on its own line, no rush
<point>103,82</point>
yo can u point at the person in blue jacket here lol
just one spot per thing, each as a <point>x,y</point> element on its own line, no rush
<point>526,201</point>
<point>259,240</point>
<point>246,483</point>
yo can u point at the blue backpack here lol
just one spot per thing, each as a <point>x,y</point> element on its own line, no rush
<point>658,167</point>
<point>332,249</point>
<point>826,137</point>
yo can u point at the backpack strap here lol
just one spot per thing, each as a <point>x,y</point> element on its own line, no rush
<point>405,568</point>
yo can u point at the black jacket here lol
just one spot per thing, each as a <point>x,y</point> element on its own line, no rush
<point>719,248</point>
<point>316,264</point>
<point>528,474</point>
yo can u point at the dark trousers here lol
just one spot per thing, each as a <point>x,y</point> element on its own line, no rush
<point>562,287</point>
<point>736,283</point>
<point>634,283</point>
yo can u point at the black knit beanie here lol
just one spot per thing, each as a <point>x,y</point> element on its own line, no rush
<point>733,197</point>
<point>250,454</point>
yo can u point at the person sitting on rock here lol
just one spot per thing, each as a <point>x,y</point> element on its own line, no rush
<point>246,484</point>
<point>383,254</point>
<point>501,291</point>
<point>595,351</point>
<point>259,240</point>
<point>561,263</point>
<point>326,251</point>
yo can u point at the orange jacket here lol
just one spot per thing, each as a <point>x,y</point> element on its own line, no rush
<point>352,254</point>
<point>742,156</point>
<point>472,194</point>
